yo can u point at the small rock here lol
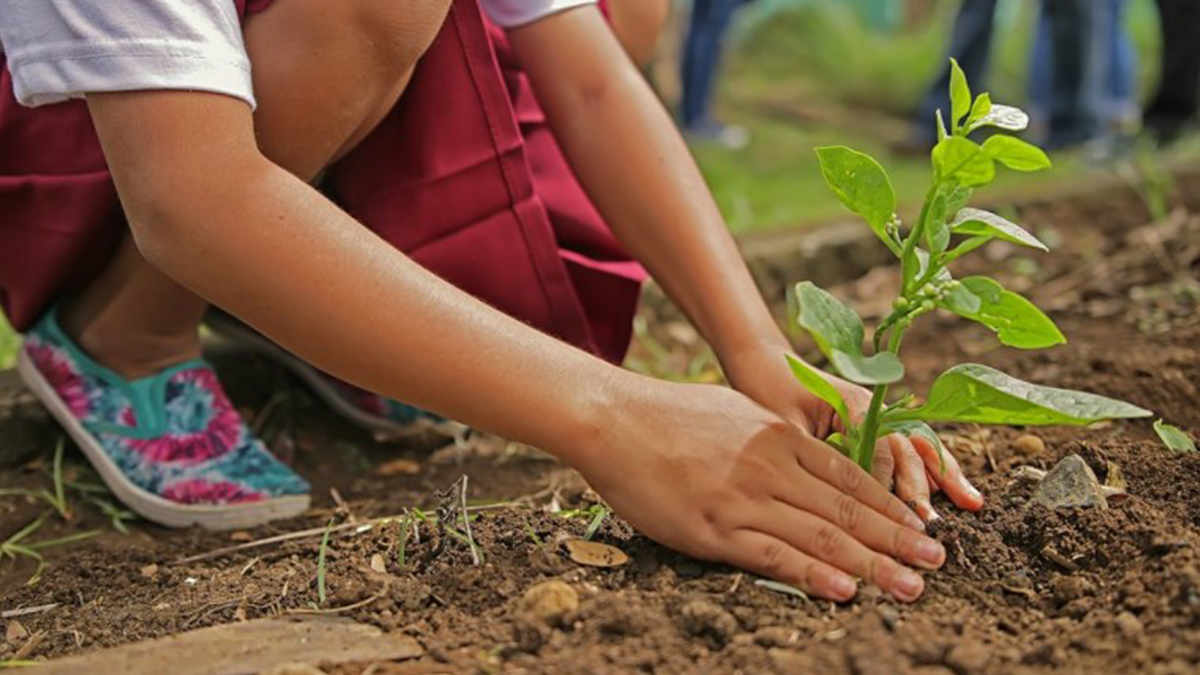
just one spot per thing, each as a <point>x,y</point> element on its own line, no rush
<point>705,619</point>
<point>1071,483</point>
<point>149,571</point>
<point>294,669</point>
<point>15,632</point>
<point>1129,625</point>
<point>550,603</point>
<point>595,554</point>
<point>377,563</point>
<point>889,615</point>
<point>1029,445</point>
<point>241,535</point>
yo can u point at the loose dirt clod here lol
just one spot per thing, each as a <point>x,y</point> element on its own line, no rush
<point>1129,625</point>
<point>551,603</point>
<point>705,619</point>
<point>1071,483</point>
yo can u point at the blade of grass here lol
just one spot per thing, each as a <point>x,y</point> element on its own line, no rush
<point>321,562</point>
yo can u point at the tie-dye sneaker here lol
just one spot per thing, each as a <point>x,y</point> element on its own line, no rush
<point>170,446</point>
<point>387,418</point>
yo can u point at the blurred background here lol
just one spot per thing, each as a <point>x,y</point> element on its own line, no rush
<point>757,84</point>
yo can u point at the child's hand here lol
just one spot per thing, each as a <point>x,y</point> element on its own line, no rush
<point>912,464</point>
<point>709,472</point>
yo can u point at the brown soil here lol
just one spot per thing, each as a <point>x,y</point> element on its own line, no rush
<point>1025,591</point>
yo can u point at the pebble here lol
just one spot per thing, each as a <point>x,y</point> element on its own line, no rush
<point>378,564</point>
<point>1068,588</point>
<point>550,602</point>
<point>1029,445</point>
<point>149,571</point>
<point>1129,625</point>
<point>1071,483</point>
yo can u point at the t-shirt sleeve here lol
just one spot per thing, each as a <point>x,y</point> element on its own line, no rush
<point>61,49</point>
<point>511,13</point>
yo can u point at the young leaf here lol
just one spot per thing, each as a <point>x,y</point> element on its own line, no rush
<point>974,393</point>
<point>915,428</point>
<point>941,126</point>
<point>964,161</point>
<point>1017,321</point>
<point>980,109</point>
<point>1016,154</point>
<point>862,185</point>
<point>937,232</point>
<point>960,95</point>
<point>975,222</point>
<point>1174,437</point>
<point>1004,117</point>
<point>882,368</point>
<point>819,386</point>
<point>833,325</point>
<point>957,198</point>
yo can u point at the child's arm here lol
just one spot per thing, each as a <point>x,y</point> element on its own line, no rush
<point>638,171</point>
<point>702,469</point>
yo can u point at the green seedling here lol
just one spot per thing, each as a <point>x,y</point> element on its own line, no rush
<point>946,230</point>
<point>596,513</point>
<point>321,553</point>
<point>405,524</point>
<point>1174,438</point>
<point>56,499</point>
<point>16,546</point>
<point>533,536</point>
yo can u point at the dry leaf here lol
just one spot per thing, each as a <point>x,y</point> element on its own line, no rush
<point>398,467</point>
<point>594,554</point>
<point>1114,478</point>
<point>377,563</point>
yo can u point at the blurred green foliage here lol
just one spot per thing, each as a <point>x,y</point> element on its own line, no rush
<point>9,341</point>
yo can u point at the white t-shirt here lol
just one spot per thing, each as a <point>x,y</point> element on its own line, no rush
<point>59,49</point>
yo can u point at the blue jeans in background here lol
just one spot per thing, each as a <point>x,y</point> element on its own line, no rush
<point>702,57</point>
<point>971,46</point>
<point>1107,74</point>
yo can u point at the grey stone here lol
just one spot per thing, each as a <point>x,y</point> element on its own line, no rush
<point>1071,483</point>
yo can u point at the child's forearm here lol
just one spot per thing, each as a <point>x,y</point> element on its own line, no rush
<point>638,171</point>
<point>249,237</point>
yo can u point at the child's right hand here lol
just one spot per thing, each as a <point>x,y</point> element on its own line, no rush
<point>708,472</point>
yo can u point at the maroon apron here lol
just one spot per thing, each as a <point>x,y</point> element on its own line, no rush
<point>463,175</point>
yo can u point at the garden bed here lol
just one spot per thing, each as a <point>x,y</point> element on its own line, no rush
<point>1026,590</point>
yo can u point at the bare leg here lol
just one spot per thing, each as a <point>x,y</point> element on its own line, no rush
<point>137,321</point>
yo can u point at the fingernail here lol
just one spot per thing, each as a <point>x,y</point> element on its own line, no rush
<point>844,587</point>
<point>908,585</point>
<point>973,492</point>
<point>930,552</point>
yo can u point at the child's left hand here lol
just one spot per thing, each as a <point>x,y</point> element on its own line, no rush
<point>912,464</point>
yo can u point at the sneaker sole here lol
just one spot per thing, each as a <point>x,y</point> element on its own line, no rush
<point>382,427</point>
<point>147,504</point>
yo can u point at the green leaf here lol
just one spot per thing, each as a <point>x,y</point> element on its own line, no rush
<point>964,161</point>
<point>881,368</point>
<point>962,301</point>
<point>957,198</point>
<point>937,232</point>
<point>1016,154</point>
<point>980,109</point>
<point>833,325</point>
<point>1003,117</point>
<point>915,428</point>
<point>862,185</point>
<point>960,94</point>
<point>838,441</point>
<point>974,393</point>
<point>1017,321</point>
<point>975,222</point>
<point>811,380</point>
<point>1174,437</point>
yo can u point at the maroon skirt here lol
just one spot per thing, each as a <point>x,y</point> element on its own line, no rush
<point>481,196</point>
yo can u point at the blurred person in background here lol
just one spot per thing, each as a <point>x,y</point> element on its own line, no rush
<point>701,59</point>
<point>1174,105</point>
<point>1090,96</point>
